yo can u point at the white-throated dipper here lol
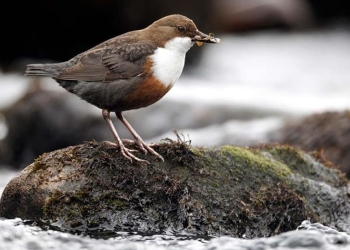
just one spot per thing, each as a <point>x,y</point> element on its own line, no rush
<point>130,71</point>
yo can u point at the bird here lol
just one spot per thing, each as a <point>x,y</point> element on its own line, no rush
<point>130,71</point>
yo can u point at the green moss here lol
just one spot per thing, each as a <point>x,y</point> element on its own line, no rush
<point>257,161</point>
<point>308,166</point>
<point>292,156</point>
<point>117,203</point>
<point>55,196</point>
<point>38,164</point>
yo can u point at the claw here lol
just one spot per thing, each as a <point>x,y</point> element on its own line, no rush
<point>138,143</point>
<point>127,154</point>
<point>144,147</point>
<point>138,140</point>
<point>151,150</point>
<point>111,144</point>
<point>141,146</point>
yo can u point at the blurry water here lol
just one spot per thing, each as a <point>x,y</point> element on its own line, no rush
<point>288,75</point>
<point>293,72</point>
<point>5,176</point>
<point>15,235</point>
<point>284,74</point>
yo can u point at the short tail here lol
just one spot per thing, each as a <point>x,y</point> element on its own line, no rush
<point>48,69</point>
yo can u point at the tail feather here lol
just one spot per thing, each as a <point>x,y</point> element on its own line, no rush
<point>49,69</point>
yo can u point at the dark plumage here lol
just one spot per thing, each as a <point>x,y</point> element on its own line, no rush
<point>119,74</point>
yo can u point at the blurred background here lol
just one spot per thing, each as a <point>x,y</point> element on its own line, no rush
<point>280,75</point>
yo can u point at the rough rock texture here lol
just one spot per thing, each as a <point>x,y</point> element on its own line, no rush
<point>244,192</point>
<point>328,133</point>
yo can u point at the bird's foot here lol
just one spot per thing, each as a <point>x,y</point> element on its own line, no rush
<point>128,142</point>
<point>127,153</point>
<point>144,147</point>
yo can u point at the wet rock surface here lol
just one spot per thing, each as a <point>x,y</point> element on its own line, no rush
<point>328,133</point>
<point>235,191</point>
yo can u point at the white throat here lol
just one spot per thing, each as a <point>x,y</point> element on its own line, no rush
<point>168,62</point>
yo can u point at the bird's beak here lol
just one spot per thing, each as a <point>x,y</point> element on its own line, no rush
<point>201,38</point>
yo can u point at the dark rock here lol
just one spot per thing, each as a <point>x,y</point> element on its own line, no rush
<point>241,15</point>
<point>328,133</point>
<point>44,121</point>
<point>248,15</point>
<point>227,190</point>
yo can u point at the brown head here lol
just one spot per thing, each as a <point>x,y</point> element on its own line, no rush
<point>176,25</point>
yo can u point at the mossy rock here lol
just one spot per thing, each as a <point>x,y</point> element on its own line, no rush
<point>227,190</point>
<point>328,132</point>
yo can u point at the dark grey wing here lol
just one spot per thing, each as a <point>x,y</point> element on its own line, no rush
<point>108,63</point>
<point>127,60</point>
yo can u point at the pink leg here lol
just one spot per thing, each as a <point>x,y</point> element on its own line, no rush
<point>138,140</point>
<point>125,152</point>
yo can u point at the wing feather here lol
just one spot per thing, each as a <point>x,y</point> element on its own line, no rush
<point>109,63</point>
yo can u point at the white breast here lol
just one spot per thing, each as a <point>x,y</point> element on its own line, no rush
<point>169,61</point>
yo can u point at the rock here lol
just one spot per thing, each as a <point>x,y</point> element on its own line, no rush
<point>43,121</point>
<point>227,190</point>
<point>328,133</point>
<point>239,15</point>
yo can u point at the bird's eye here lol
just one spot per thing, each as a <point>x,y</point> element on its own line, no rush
<point>181,28</point>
